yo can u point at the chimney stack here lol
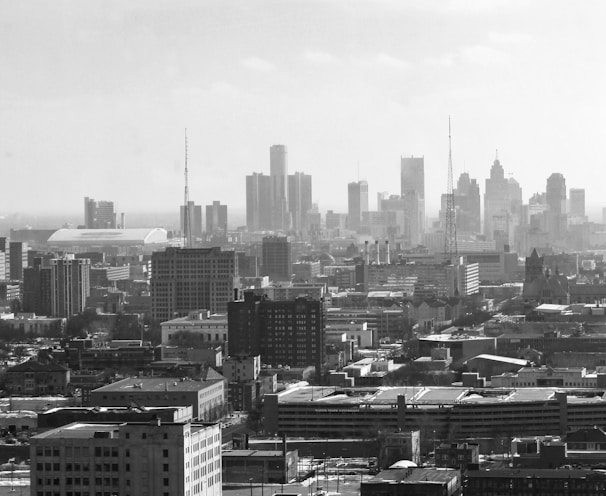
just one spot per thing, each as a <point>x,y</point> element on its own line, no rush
<point>378,248</point>
<point>366,255</point>
<point>387,258</point>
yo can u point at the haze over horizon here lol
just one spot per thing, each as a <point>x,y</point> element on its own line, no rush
<point>95,97</point>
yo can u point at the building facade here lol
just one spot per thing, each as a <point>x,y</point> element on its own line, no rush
<point>276,258</point>
<point>70,285</point>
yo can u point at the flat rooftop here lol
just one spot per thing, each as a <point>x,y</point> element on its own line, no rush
<point>136,385</point>
<point>414,475</point>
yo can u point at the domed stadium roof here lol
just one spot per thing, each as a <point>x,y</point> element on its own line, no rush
<point>107,237</point>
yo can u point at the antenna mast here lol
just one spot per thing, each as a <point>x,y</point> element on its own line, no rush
<point>187,234</point>
<point>450,235</point>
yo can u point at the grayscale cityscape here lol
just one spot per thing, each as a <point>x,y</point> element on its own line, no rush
<point>302,248</point>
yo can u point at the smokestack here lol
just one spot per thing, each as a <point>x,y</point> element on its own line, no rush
<point>122,221</point>
<point>378,248</point>
<point>284,444</point>
<point>366,254</point>
<point>387,258</point>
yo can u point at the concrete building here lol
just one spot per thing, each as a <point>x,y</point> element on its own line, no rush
<point>549,377</point>
<point>278,172</point>
<point>199,329</point>
<point>242,368</point>
<point>184,280</point>
<point>555,195</point>
<point>99,214</point>
<point>17,260</point>
<point>258,202</point>
<point>357,204</point>
<point>299,200</point>
<point>412,184</point>
<point>206,397</point>
<point>457,455</point>
<point>468,205</point>
<point>216,218</point>
<point>70,285</point>
<point>132,458</point>
<point>282,332</point>
<point>190,220</point>
<point>276,258</point>
<point>246,466</point>
<point>413,481</point>
<point>37,286</point>
<point>34,378</point>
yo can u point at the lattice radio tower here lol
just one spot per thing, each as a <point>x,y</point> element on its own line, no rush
<point>187,234</point>
<point>450,234</point>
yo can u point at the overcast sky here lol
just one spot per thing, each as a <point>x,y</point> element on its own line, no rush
<point>95,96</point>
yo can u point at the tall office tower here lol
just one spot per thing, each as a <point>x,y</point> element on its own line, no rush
<point>70,285</point>
<point>299,200</point>
<point>276,258</point>
<point>502,200</point>
<point>258,202</point>
<point>191,218</point>
<point>37,297</point>
<point>577,202</point>
<point>289,332</point>
<point>136,458</point>
<point>187,279</point>
<point>17,254</point>
<point>468,205</point>
<point>357,203</point>
<point>555,195</point>
<point>412,178</point>
<point>278,171</point>
<point>99,214</point>
<point>216,218</point>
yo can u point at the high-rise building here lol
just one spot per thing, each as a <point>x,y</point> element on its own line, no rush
<point>17,254</point>
<point>216,218</point>
<point>134,458</point>
<point>555,196</point>
<point>357,203</point>
<point>299,200</point>
<point>502,201</point>
<point>99,214</point>
<point>190,218</point>
<point>37,297</point>
<point>70,285</point>
<point>188,279</point>
<point>468,205</point>
<point>577,202</point>
<point>258,202</point>
<point>278,171</point>
<point>288,332</point>
<point>412,179</point>
<point>276,258</point>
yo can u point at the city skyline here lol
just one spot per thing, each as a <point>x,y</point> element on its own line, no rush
<point>101,95</point>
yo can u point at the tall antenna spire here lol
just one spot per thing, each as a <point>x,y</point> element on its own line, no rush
<point>187,213</point>
<point>450,234</point>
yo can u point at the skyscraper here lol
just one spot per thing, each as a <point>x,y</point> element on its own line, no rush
<point>37,285</point>
<point>70,285</point>
<point>276,258</point>
<point>577,202</point>
<point>412,179</point>
<point>357,203</point>
<point>555,195</point>
<point>278,171</point>
<point>191,218</point>
<point>468,205</point>
<point>216,218</point>
<point>299,200</point>
<point>502,201</point>
<point>185,279</point>
<point>258,202</point>
<point>99,214</point>
<point>17,254</point>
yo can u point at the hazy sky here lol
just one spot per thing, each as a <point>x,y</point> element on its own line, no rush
<point>95,96</point>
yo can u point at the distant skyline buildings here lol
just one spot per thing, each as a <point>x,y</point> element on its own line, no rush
<point>99,214</point>
<point>357,203</point>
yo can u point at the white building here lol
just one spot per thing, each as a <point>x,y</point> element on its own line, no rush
<point>211,330</point>
<point>131,459</point>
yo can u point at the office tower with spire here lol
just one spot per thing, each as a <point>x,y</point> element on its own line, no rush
<point>299,200</point>
<point>502,202</point>
<point>450,228</point>
<point>278,172</point>
<point>412,179</point>
<point>216,218</point>
<point>99,214</point>
<point>258,202</point>
<point>555,196</point>
<point>357,204</point>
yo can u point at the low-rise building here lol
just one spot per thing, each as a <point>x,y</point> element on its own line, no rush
<point>457,455</point>
<point>548,377</point>
<point>207,398</point>
<point>259,466</point>
<point>199,329</point>
<point>34,378</point>
<point>414,481</point>
<point>134,458</point>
